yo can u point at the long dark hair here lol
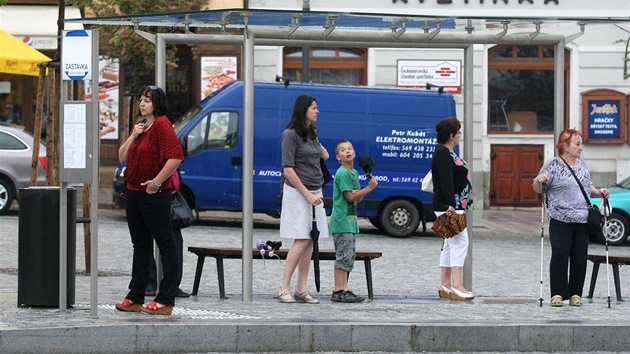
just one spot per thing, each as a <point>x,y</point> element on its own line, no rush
<point>158,98</point>
<point>298,119</point>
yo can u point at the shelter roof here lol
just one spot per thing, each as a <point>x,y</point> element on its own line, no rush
<point>238,18</point>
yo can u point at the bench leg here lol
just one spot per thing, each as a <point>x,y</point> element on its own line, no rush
<point>615,267</point>
<point>368,277</point>
<point>221,278</point>
<point>200,261</point>
<point>593,280</point>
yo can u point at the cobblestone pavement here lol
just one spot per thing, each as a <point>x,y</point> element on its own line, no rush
<point>506,279</point>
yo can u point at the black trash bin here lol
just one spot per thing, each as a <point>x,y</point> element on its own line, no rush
<point>38,247</point>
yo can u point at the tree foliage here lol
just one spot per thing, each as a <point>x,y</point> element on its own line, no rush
<point>121,41</point>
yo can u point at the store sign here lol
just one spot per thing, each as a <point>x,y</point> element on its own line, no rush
<point>76,55</point>
<point>604,119</point>
<point>419,73</point>
<point>40,43</point>
<point>503,9</point>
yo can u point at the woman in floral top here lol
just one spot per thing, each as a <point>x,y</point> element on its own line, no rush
<point>567,212</point>
<point>452,193</point>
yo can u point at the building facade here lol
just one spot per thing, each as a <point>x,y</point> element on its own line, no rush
<point>513,119</point>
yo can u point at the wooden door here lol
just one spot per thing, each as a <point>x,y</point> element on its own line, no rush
<point>512,170</point>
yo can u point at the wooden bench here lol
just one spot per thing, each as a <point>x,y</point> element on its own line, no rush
<point>236,253</point>
<point>614,261</point>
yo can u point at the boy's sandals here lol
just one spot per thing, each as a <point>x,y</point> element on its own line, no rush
<point>575,301</point>
<point>556,300</point>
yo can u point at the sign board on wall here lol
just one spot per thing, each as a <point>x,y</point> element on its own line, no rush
<point>419,73</point>
<point>216,72</point>
<point>604,117</point>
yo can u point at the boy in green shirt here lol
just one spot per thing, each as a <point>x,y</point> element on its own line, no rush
<point>343,220</point>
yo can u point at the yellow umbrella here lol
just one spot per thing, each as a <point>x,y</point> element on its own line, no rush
<point>16,57</point>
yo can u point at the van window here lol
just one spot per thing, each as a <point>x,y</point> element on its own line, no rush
<point>216,131</point>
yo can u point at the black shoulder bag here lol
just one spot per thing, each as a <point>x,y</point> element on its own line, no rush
<point>595,221</point>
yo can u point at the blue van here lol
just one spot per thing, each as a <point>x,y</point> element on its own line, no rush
<point>396,127</point>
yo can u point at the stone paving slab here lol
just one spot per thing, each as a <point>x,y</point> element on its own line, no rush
<point>406,315</point>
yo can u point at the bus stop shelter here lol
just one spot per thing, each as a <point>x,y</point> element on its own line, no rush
<point>349,29</point>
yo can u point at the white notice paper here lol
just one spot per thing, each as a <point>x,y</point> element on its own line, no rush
<point>74,136</point>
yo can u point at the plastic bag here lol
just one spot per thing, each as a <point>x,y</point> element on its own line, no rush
<point>427,182</point>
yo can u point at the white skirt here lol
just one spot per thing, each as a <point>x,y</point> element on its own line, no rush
<point>454,249</point>
<point>296,218</point>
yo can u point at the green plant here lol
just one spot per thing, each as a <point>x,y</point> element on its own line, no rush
<point>626,58</point>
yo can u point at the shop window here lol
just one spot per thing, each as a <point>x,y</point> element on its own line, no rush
<point>335,66</point>
<point>521,89</point>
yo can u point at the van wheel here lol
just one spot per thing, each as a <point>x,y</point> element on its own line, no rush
<point>6,195</point>
<point>400,218</point>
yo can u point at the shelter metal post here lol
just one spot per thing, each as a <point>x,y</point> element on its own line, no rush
<point>160,81</point>
<point>96,151</point>
<point>306,50</point>
<point>248,164</point>
<point>160,61</point>
<point>558,92</point>
<point>468,154</point>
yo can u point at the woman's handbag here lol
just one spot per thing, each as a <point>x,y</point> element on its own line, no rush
<point>427,182</point>
<point>182,215</point>
<point>447,226</point>
<point>595,220</point>
<point>327,176</point>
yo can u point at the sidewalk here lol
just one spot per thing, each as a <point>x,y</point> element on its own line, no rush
<point>406,315</point>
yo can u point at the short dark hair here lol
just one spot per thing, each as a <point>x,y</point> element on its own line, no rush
<point>158,98</point>
<point>341,142</point>
<point>446,127</point>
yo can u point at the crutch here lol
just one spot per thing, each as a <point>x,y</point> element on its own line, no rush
<point>542,233</point>
<point>607,213</point>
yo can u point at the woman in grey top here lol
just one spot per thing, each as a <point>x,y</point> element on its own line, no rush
<point>567,211</point>
<point>301,153</point>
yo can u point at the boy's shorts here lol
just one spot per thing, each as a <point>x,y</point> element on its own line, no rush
<point>345,251</point>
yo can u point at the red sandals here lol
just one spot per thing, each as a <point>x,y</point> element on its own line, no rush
<point>127,306</point>
<point>154,309</point>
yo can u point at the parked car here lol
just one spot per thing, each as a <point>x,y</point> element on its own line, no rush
<point>16,154</point>
<point>618,226</point>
